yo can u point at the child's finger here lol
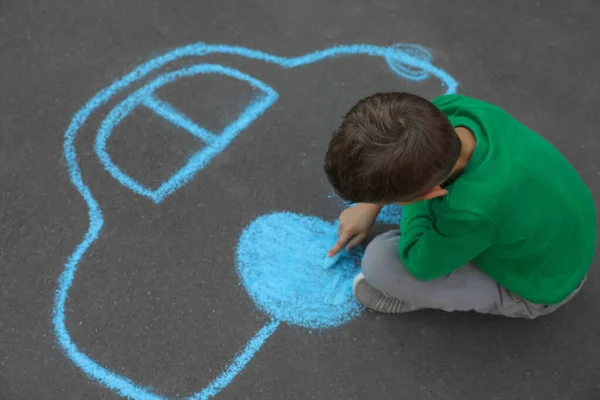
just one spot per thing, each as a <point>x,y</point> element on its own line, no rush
<point>339,245</point>
<point>356,240</point>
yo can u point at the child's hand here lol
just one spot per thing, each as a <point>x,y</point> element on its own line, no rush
<point>355,224</point>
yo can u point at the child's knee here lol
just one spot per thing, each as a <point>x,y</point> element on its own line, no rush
<point>381,257</point>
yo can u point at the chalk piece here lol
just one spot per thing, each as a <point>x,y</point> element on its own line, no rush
<point>329,262</point>
<point>279,261</point>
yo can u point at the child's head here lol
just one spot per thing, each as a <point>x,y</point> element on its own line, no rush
<point>391,148</point>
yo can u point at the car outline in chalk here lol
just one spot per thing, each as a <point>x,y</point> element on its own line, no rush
<point>409,61</point>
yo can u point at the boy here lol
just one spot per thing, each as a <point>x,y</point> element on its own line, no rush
<point>495,219</point>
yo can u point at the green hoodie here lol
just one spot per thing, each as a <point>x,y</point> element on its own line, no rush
<point>519,211</point>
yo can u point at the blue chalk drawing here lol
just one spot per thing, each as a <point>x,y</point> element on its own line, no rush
<point>390,214</point>
<point>215,143</point>
<point>288,304</point>
<point>279,260</point>
<point>238,363</point>
<point>330,261</point>
<point>407,70</point>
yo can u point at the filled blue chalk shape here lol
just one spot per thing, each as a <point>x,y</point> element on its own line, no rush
<point>280,263</point>
<point>329,262</point>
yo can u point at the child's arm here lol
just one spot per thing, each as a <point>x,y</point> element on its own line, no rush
<point>431,250</point>
<point>355,224</point>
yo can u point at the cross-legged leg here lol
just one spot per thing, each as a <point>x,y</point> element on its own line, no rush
<point>386,286</point>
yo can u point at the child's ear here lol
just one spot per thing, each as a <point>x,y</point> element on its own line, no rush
<point>435,192</point>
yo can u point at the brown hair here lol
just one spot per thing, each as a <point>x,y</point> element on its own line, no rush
<point>391,147</point>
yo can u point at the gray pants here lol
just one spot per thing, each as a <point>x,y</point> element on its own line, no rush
<point>465,289</point>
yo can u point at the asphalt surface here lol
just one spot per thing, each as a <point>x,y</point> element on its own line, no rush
<point>156,297</point>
